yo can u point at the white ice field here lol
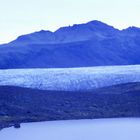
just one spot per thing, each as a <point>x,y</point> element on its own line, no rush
<point>70,79</point>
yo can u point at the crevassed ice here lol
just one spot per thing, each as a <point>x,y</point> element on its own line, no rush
<point>70,79</point>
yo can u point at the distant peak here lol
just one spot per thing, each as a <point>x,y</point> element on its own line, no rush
<point>44,31</point>
<point>97,23</point>
<point>133,28</point>
<point>91,24</point>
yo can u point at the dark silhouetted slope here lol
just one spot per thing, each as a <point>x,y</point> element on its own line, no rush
<point>26,105</point>
<point>91,44</point>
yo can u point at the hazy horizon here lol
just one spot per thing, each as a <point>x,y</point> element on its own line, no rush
<point>23,17</point>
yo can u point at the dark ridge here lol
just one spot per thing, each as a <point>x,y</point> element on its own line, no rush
<point>82,45</point>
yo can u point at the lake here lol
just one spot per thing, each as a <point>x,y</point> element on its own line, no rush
<point>96,129</point>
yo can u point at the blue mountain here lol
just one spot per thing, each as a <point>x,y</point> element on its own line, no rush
<point>81,45</point>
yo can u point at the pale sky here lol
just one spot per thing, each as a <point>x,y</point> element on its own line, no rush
<point>19,17</point>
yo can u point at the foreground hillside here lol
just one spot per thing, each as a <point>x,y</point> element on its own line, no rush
<point>90,44</point>
<point>70,79</point>
<point>19,105</point>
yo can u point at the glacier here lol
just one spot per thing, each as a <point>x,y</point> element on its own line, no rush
<point>70,79</point>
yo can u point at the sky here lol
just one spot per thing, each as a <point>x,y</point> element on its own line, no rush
<point>18,17</point>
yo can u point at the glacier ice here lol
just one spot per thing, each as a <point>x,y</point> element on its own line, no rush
<point>70,79</point>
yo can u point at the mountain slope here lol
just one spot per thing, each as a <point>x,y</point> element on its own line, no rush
<point>18,105</point>
<point>91,44</point>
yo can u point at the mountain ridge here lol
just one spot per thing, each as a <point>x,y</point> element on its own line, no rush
<point>94,23</point>
<point>81,45</point>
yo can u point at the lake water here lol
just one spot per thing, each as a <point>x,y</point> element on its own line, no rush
<point>97,129</point>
